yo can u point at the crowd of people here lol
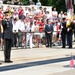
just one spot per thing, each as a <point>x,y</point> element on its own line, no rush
<point>35,21</point>
<point>31,26</point>
<point>12,2</point>
<point>19,2</point>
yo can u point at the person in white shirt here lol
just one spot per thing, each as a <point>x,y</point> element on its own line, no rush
<point>15,32</point>
<point>61,15</point>
<point>38,4</point>
<point>48,15</point>
<point>54,13</point>
<point>55,32</point>
<point>29,36</point>
<point>21,28</point>
<point>30,14</point>
<point>15,26</point>
<point>26,25</point>
<point>15,15</point>
<point>26,11</point>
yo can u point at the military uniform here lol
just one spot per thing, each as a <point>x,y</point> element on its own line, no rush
<point>8,36</point>
<point>63,33</point>
<point>69,34</point>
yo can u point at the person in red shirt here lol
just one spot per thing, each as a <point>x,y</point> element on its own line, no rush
<point>36,16</point>
<point>20,11</point>
<point>1,14</point>
<point>58,26</point>
<point>41,27</point>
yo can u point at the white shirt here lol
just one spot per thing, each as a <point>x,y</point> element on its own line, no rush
<point>27,24</point>
<point>15,16</point>
<point>55,13</point>
<point>38,4</point>
<point>55,29</point>
<point>61,15</point>
<point>21,25</point>
<point>48,16</point>
<point>26,12</point>
<point>30,28</point>
<point>15,27</point>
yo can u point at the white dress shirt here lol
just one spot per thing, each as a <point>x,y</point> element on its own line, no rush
<point>21,25</point>
<point>15,26</point>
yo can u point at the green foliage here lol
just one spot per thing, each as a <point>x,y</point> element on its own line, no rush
<point>25,2</point>
<point>59,4</point>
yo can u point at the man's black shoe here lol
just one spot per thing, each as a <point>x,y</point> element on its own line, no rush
<point>47,45</point>
<point>63,47</point>
<point>9,61</point>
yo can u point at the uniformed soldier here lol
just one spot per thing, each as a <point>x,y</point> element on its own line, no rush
<point>8,36</point>
<point>63,32</point>
<point>69,34</point>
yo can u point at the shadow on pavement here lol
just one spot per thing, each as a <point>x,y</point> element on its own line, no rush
<point>30,64</point>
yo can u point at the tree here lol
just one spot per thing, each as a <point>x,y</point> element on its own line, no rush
<point>25,2</point>
<point>59,4</point>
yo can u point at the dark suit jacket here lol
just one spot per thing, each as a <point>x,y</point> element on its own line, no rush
<point>48,29</point>
<point>7,26</point>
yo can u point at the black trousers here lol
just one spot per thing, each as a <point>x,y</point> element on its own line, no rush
<point>7,49</point>
<point>63,37</point>
<point>15,39</point>
<point>20,37</point>
<point>69,39</point>
<point>49,40</point>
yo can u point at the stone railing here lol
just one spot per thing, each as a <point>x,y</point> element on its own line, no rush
<point>49,8</point>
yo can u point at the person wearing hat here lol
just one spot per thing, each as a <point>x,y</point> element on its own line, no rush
<point>7,36</point>
<point>63,32</point>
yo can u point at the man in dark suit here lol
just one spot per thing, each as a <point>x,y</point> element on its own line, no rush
<point>8,36</point>
<point>49,32</point>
